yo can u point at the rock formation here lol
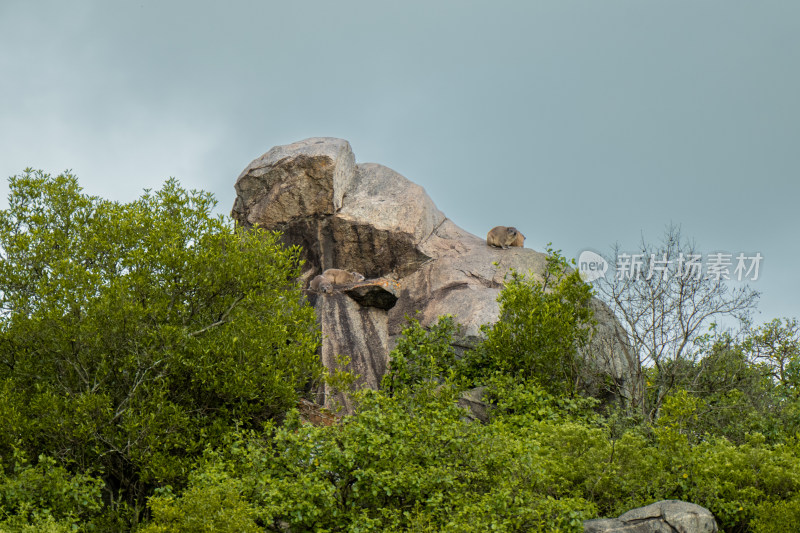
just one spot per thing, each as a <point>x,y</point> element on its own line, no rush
<point>354,323</point>
<point>668,516</point>
<point>370,219</point>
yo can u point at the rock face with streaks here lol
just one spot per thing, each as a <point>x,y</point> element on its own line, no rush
<point>369,219</point>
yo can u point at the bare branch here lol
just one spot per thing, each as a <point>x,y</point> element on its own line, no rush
<point>222,320</point>
<point>664,312</point>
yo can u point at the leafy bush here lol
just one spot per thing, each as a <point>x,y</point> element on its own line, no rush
<point>44,497</point>
<point>543,327</point>
<point>388,468</point>
<point>520,402</point>
<point>777,516</point>
<point>391,468</point>
<point>212,502</point>
<point>422,356</point>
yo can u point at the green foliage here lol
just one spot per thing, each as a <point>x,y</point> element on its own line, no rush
<point>390,469</point>
<point>777,516</point>
<point>340,378</point>
<point>149,351</point>
<point>543,326</point>
<point>777,345</point>
<point>422,356</point>
<point>212,503</point>
<point>520,402</point>
<point>738,482</point>
<point>407,461</point>
<point>133,335</point>
<point>44,496</point>
<point>734,392</point>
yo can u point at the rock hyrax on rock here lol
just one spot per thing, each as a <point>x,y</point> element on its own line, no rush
<point>320,284</point>
<point>503,237</point>
<point>342,277</point>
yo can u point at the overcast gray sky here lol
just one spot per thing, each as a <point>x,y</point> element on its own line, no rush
<point>583,123</point>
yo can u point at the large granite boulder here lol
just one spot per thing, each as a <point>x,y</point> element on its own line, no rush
<point>370,219</point>
<point>291,182</point>
<point>668,516</point>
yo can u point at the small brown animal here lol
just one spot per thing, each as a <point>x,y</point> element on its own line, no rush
<point>320,284</point>
<point>503,237</point>
<point>519,241</point>
<point>342,277</point>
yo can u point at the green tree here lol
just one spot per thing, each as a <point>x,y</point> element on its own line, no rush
<point>134,334</point>
<point>777,345</point>
<point>544,329</point>
<point>743,384</point>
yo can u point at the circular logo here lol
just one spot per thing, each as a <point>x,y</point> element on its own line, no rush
<point>591,266</point>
